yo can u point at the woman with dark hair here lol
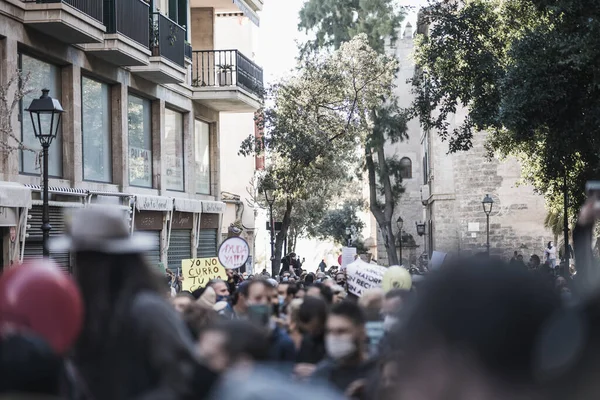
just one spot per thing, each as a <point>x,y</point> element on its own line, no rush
<point>133,345</point>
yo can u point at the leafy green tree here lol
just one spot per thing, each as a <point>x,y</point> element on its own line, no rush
<point>334,223</point>
<point>333,23</point>
<point>526,72</point>
<point>314,123</point>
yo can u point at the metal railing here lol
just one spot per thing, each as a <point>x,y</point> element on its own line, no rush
<point>167,38</point>
<point>128,17</point>
<point>92,8</point>
<point>188,51</point>
<point>222,68</point>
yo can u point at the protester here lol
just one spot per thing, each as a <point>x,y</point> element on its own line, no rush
<point>348,367</point>
<point>322,291</point>
<point>229,343</point>
<point>132,345</point>
<point>182,300</point>
<point>197,318</point>
<point>221,289</point>
<point>371,303</point>
<point>339,294</point>
<point>312,317</point>
<point>473,333</point>
<point>293,323</point>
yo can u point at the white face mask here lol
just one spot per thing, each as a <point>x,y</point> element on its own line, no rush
<point>339,347</point>
<point>389,322</point>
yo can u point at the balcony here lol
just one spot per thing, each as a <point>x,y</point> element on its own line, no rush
<point>226,80</point>
<point>248,7</point>
<point>127,39</point>
<point>167,44</point>
<point>70,21</point>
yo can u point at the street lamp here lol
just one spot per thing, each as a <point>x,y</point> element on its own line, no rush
<point>488,203</point>
<point>270,198</point>
<point>45,115</point>
<point>400,224</point>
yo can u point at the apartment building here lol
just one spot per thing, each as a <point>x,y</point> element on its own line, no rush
<point>143,89</point>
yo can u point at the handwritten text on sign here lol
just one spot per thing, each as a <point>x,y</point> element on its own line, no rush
<point>198,271</point>
<point>363,276</point>
<point>234,252</point>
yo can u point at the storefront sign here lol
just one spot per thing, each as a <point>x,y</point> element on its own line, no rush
<point>197,272</point>
<point>188,205</point>
<point>234,252</point>
<point>8,216</point>
<point>183,220</point>
<point>213,207</point>
<point>362,276</point>
<point>148,221</point>
<point>154,203</point>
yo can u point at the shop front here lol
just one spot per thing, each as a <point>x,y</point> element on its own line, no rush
<point>181,234</point>
<point>150,215</point>
<point>15,201</point>
<point>210,222</point>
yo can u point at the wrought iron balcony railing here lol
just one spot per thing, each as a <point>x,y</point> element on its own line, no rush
<point>221,68</point>
<point>167,38</point>
<point>93,8</point>
<point>128,17</point>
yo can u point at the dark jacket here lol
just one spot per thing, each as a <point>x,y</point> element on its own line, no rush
<point>312,350</point>
<point>281,347</point>
<point>588,273</point>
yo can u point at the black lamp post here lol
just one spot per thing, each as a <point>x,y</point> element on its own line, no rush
<point>488,203</point>
<point>45,115</point>
<point>270,198</point>
<point>400,224</point>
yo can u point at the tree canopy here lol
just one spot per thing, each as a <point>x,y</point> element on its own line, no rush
<point>315,123</point>
<point>526,72</point>
<point>334,23</point>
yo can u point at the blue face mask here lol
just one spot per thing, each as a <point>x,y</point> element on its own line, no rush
<point>222,298</point>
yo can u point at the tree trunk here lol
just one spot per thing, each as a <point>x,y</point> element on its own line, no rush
<point>280,238</point>
<point>383,217</point>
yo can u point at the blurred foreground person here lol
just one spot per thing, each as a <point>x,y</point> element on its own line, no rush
<point>312,316</point>
<point>133,345</point>
<point>29,368</point>
<point>228,344</point>
<point>348,367</point>
<point>472,334</point>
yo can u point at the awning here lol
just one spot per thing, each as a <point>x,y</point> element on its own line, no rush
<point>248,12</point>
<point>188,205</point>
<point>213,207</point>
<point>153,203</point>
<point>14,195</point>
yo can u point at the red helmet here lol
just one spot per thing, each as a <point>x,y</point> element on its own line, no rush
<point>40,297</point>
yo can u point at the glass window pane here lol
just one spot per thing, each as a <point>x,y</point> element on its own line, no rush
<point>173,148</point>
<point>202,152</point>
<point>140,142</point>
<point>96,130</point>
<point>41,76</point>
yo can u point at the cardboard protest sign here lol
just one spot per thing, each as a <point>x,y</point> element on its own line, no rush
<point>197,272</point>
<point>362,276</point>
<point>234,252</point>
<point>396,278</point>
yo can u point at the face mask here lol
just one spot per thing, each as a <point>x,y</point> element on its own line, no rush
<point>281,299</point>
<point>389,322</point>
<point>259,313</point>
<point>222,298</point>
<point>339,347</point>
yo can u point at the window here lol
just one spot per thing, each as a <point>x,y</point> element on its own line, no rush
<point>202,154</point>
<point>96,130</point>
<point>41,75</point>
<point>173,148</point>
<point>140,141</point>
<point>406,168</point>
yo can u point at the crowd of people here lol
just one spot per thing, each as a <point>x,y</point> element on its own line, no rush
<point>476,328</point>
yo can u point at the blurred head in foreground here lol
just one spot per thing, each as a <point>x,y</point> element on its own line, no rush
<point>473,332</point>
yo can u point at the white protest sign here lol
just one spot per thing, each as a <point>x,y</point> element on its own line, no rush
<point>362,276</point>
<point>234,252</point>
<point>348,256</point>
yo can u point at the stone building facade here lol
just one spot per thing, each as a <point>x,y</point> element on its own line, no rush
<point>141,128</point>
<point>446,190</point>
